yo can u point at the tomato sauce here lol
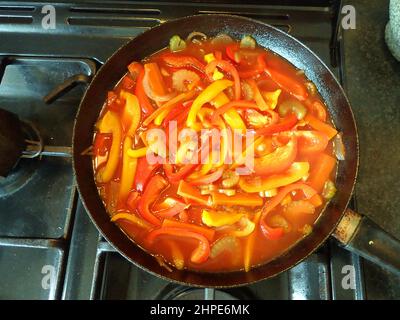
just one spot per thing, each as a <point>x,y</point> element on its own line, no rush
<point>236,244</point>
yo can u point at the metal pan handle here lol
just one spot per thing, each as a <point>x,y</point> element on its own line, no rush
<point>359,234</point>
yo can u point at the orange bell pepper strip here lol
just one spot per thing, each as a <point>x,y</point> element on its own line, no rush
<point>227,67</point>
<point>135,68</point>
<point>110,124</point>
<point>199,255</point>
<point>288,83</point>
<point>321,171</point>
<point>248,251</point>
<point>296,171</point>
<point>274,233</point>
<point>258,98</point>
<point>309,141</point>
<point>189,192</point>
<point>278,160</point>
<point>129,165</point>
<point>239,199</point>
<point>131,113</point>
<point>213,218</point>
<point>208,233</point>
<point>206,96</point>
<point>156,184</point>
<point>156,80</point>
<point>320,126</point>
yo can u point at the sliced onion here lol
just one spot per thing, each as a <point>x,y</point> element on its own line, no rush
<point>181,77</point>
<point>338,147</point>
<point>227,243</point>
<point>149,92</point>
<point>196,34</point>
<point>221,38</point>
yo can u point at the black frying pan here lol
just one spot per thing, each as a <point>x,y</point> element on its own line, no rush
<point>354,231</point>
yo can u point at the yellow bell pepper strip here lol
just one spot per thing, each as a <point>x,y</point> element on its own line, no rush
<point>133,219</point>
<point>189,192</point>
<point>321,171</point>
<point>216,75</point>
<point>262,105</point>
<point>131,113</point>
<point>231,116</point>
<point>239,199</point>
<point>137,153</point>
<point>275,233</point>
<point>214,218</point>
<point>271,98</point>
<point>129,165</point>
<point>248,251</point>
<point>278,160</point>
<point>240,160</point>
<point>320,126</point>
<point>206,96</point>
<point>249,227</point>
<point>162,111</point>
<point>152,191</point>
<point>227,67</point>
<point>199,255</point>
<point>296,171</point>
<point>110,124</point>
<point>204,231</point>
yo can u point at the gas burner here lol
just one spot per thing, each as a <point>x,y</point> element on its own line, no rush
<point>182,293</point>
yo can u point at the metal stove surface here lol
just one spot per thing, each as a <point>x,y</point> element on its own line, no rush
<point>48,247</point>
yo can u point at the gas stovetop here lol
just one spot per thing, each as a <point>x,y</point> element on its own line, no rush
<point>49,249</point>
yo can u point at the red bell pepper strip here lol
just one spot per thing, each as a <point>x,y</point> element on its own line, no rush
<point>286,124</point>
<point>321,171</point>
<point>199,255</point>
<point>127,82</point>
<point>241,104</point>
<point>227,67</point>
<point>144,101</point>
<point>274,233</point>
<point>287,83</point>
<point>278,160</point>
<point>156,184</point>
<point>231,51</point>
<point>311,141</point>
<point>182,61</point>
<point>208,233</point>
<point>113,102</point>
<point>178,113</point>
<point>169,207</point>
<point>320,126</point>
<point>143,173</point>
<point>183,172</point>
<point>102,143</point>
<point>209,178</point>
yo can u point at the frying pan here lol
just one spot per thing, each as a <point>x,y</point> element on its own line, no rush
<point>354,231</point>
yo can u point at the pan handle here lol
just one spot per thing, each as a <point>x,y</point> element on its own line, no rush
<point>359,234</point>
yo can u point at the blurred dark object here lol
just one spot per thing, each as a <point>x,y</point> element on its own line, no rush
<point>11,141</point>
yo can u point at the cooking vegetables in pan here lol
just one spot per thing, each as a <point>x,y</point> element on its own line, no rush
<point>214,154</point>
